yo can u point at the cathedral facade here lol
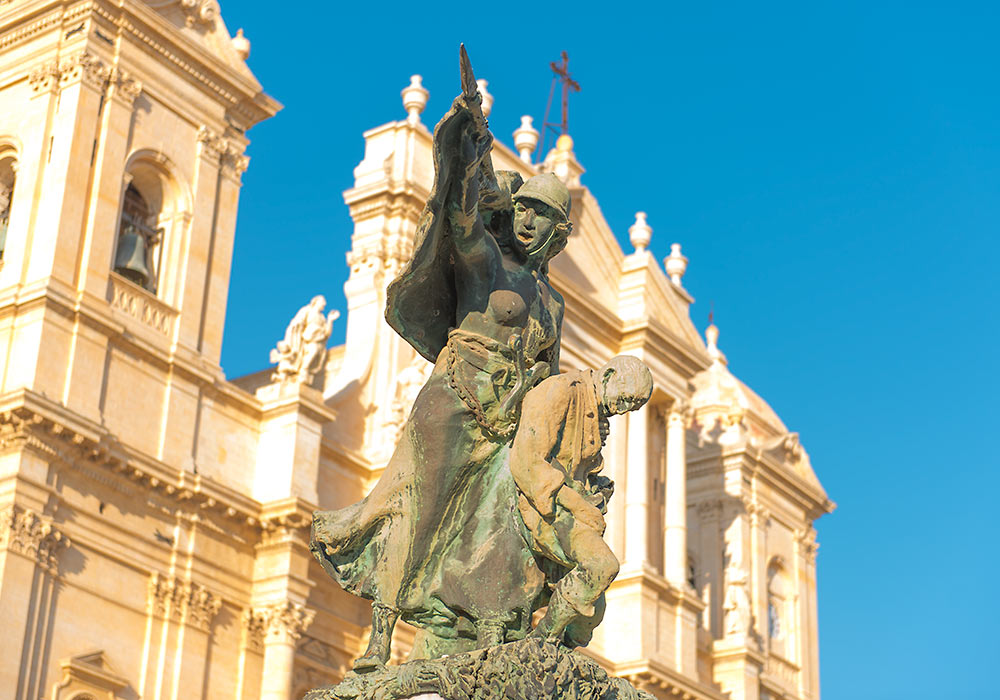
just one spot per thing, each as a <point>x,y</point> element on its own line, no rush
<point>154,514</point>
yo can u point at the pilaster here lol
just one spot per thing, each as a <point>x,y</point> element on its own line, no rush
<point>284,624</point>
<point>675,514</point>
<point>291,431</point>
<point>30,548</point>
<point>637,491</point>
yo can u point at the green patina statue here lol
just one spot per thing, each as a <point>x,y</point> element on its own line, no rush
<point>465,535</point>
<point>434,542</point>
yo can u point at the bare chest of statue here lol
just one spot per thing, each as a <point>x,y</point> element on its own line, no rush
<point>507,307</point>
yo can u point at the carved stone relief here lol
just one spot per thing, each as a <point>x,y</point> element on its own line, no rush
<point>183,601</point>
<point>34,536</point>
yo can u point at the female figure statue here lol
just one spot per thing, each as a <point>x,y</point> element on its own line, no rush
<point>437,541</point>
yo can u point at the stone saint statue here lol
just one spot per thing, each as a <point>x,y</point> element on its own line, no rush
<point>555,461</point>
<point>301,353</point>
<point>736,603</point>
<point>437,541</point>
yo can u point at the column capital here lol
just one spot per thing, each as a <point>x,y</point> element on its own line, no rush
<point>33,536</point>
<point>286,621</point>
<point>124,87</point>
<point>806,540</point>
<point>182,600</point>
<point>85,68</point>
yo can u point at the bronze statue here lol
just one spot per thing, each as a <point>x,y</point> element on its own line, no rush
<point>555,461</point>
<point>437,542</point>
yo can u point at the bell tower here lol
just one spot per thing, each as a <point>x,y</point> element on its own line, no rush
<point>122,136</point>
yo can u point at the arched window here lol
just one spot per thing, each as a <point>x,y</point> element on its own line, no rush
<point>779,609</point>
<point>8,173</point>
<point>139,239</point>
<point>153,203</point>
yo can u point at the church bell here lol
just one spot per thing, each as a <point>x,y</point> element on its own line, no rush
<point>130,260</point>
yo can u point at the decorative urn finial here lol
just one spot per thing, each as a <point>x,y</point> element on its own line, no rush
<point>712,340</point>
<point>241,44</point>
<point>676,264</point>
<point>640,233</point>
<point>487,97</point>
<point>414,99</point>
<point>526,139</point>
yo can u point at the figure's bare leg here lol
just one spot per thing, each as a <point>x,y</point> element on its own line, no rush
<point>383,620</point>
<point>557,618</point>
<point>580,592</point>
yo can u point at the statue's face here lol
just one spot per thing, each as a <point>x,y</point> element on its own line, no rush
<point>618,396</point>
<point>534,222</point>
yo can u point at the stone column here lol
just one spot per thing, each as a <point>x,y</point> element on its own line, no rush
<point>675,512</point>
<point>285,624</point>
<point>637,491</point>
<point>807,634</point>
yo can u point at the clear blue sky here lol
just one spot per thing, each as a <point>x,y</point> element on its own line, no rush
<point>833,173</point>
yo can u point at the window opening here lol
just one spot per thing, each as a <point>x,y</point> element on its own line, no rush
<point>138,241</point>
<point>8,169</point>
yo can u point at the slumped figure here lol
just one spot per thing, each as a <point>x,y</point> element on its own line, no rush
<point>437,541</point>
<point>555,460</point>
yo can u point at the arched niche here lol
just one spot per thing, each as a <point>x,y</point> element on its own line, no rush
<point>154,210</point>
<point>8,178</point>
<point>780,608</point>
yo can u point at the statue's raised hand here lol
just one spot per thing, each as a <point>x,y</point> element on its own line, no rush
<point>473,147</point>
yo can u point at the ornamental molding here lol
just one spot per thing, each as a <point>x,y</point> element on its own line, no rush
<point>43,78</point>
<point>228,152</point>
<point>680,411</point>
<point>84,67</point>
<point>182,600</point>
<point>288,619</point>
<point>806,539</point>
<point>142,305</point>
<point>325,654</point>
<point>126,87</point>
<point>284,620</point>
<point>709,510</point>
<point>33,536</point>
<point>255,625</point>
<point>173,492</point>
<point>242,97</point>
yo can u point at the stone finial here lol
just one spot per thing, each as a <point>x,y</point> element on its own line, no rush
<point>640,233</point>
<point>561,161</point>
<point>675,263</point>
<point>712,340</point>
<point>487,97</point>
<point>526,139</point>
<point>414,99</point>
<point>241,44</point>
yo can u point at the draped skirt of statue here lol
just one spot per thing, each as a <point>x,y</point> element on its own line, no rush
<point>440,538</point>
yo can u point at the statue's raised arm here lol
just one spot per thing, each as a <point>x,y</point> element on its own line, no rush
<point>422,303</point>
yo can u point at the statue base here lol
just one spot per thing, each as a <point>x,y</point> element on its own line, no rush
<point>528,668</point>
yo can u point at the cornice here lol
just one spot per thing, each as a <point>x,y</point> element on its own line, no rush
<point>650,672</point>
<point>241,94</point>
<point>652,579</point>
<point>28,420</point>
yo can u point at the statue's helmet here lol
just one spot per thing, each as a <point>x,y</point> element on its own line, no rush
<point>548,189</point>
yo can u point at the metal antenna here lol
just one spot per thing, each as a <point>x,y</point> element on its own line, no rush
<point>561,71</point>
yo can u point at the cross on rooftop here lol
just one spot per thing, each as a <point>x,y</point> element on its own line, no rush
<point>562,75</point>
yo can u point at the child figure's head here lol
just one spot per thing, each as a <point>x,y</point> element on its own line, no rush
<point>623,384</point>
